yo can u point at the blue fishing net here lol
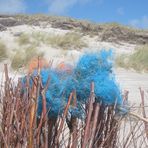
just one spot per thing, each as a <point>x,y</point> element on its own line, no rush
<point>91,67</point>
<point>97,68</point>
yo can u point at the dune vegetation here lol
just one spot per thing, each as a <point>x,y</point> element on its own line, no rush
<point>23,57</point>
<point>24,39</point>
<point>69,40</point>
<point>3,51</point>
<point>138,60</point>
<point>66,41</point>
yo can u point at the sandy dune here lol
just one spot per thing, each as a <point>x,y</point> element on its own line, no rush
<point>127,79</point>
<point>131,81</point>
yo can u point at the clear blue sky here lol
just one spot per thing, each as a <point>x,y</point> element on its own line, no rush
<point>128,12</point>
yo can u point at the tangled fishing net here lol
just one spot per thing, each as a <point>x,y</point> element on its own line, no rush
<point>92,67</point>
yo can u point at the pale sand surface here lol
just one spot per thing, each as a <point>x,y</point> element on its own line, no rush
<point>131,81</point>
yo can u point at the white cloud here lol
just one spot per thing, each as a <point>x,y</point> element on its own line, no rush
<point>120,11</point>
<point>12,6</point>
<point>141,23</point>
<point>62,6</point>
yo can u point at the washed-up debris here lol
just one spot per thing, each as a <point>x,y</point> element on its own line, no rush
<point>64,106</point>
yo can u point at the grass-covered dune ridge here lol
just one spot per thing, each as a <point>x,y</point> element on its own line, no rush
<point>111,32</point>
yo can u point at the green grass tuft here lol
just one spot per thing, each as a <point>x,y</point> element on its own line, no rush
<point>23,57</point>
<point>120,61</point>
<point>67,41</point>
<point>24,39</point>
<point>3,51</point>
<point>18,61</point>
<point>138,60</point>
